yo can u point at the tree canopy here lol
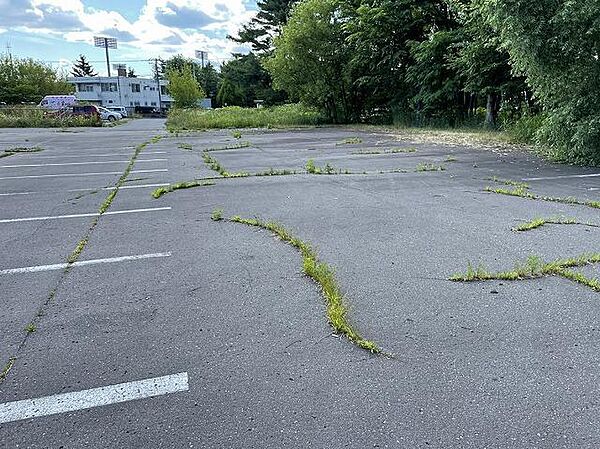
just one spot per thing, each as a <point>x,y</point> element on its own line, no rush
<point>82,67</point>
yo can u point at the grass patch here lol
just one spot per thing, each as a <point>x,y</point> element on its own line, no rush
<point>180,185</point>
<point>350,141</point>
<point>313,169</point>
<point>272,172</point>
<point>236,117</point>
<point>216,215</point>
<point>236,135</point>
<point>324,276</point>
<point>184,146</point>
<point>534,267</point>
<point>7,369</point>
<point>423,167</point>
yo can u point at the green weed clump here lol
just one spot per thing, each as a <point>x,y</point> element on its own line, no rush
<point>236,117</point>
<point>235,146</point>
<point>215,165</point>
<point>185,146</point>
<point>539,222</point>
<point>156,194</point>
<point>27,117</point>
<point>236,135</point>
<point>323,275</point>
<point>216,215</point>
<point>313,169</point>
<point>18,150</point>
<point>350,141</point>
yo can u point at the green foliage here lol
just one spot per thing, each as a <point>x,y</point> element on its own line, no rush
<point>236,117</point>
<point>555,44</point>
<point>184,88</point>
<point>216,215</point>
<point>159,192</point>
<point>311,59</point>
<point>28,81</point>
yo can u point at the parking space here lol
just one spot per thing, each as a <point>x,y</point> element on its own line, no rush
<point>173,330</point>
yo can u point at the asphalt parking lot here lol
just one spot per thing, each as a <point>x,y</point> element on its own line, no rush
<point>173,330</point>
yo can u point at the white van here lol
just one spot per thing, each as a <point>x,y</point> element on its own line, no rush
<point>56,102</point>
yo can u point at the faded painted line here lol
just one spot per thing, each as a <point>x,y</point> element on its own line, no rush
<point>65,175</point>
<point>79,155</point>
<point>94,214</point>
<point>139,186</point>
<point>95,397</point>
<point>548,178</point>
<point>80,163</point>
<point>83,263</point>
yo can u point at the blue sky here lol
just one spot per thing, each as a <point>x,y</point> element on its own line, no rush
<point>57,31</point>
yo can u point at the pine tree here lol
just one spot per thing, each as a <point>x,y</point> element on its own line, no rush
<point>131,73</point>
<point>82,67</point>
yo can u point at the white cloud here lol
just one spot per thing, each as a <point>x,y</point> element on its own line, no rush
<point>163,26</point>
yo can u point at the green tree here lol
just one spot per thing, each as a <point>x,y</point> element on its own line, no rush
<point>230,94</point>
<point>28,81</point>
<point>271,17</point>
<point>209,79</point>
<point>184,88</point>
<point>311,59</point>
<point>82,67</point>
<point>250,80</point>
<point>556,45</point>
<point>131,73</point>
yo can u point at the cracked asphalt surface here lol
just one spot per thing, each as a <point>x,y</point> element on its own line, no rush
<point>494,364</point>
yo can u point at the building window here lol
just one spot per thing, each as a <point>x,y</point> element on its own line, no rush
<point>86,87</point>
<point>131,103</point>
<point>153,103</point>
<point>108,87</point>
<point>152,88</point>
<point>110,101</point>
<point>163,90</point>
<point>137,103</point>
<point>135,88</point>
<point>145,103</point>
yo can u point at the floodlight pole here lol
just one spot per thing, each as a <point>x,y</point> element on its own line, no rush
<point>107,58</point>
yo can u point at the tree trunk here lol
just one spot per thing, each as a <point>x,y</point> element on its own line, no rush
<point>491,114</point>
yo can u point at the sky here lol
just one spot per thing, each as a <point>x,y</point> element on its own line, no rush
<point>58,31</point>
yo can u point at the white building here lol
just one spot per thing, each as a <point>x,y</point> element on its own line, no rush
<point>122,91</point>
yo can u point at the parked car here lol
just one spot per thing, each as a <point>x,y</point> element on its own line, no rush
<point>88,110</point>
<point>111,116</point>
<point>119,109</point>
<point>57,102</point>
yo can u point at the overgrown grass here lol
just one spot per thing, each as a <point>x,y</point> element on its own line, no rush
<point>423,167</point>
<point>236,117</point>
<point>235,146</point>
<point>324,276</point>
<point>18,150</point>
<point>180,185</point>
<point>27,117</point>
<point>534,267</point>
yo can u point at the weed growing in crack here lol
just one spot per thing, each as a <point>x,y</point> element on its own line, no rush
<point>216,215</point>
<point>450,158</point>
<point>390,151</point>
<point>323,275</point>
<point>215,165</point>
<point>18,150</point>
<point>533,268</point>
<point>426,167</point>
<point>236,134</point>
<point>272,172</point>
<point>180,185</point>
<point>7,368</point>
<point>350,141</point>
<point>539,222</point>
<point>235,146</point>
<point>185,146</point>
<point>30,328</point>
<point>509,182</point>
<point>522,190</point>
<point>313,169</point>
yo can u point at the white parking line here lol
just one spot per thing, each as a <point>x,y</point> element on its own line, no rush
<point>548,178</point>
<point>81,163</point>
<point>65,175</point>
<point>83,153</point>
<point>139,186</point>
<point>83,263</point>
<point>95,214</point>
<point>95,397</point>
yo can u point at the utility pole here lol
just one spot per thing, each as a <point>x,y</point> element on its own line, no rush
<point>158,84</point>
